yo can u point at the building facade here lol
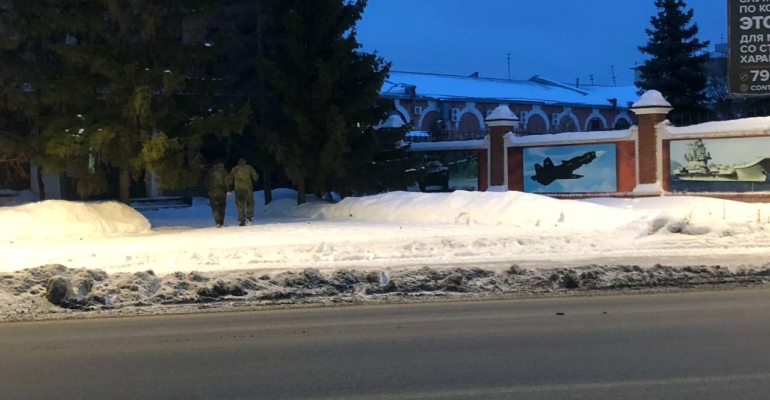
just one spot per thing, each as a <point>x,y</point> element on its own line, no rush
<point>448,107</point>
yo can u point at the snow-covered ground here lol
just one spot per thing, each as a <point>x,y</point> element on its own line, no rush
<point>393,230</point>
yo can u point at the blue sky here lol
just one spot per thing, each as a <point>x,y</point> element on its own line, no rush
<point>598,176</point>
<point>559,39</point>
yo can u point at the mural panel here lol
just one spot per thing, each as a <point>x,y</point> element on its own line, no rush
<point>720,165</point>
<point>590,168</point>
<point>446,171</point>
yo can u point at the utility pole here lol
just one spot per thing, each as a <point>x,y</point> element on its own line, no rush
<point>614,81</point>
<point>509,66</point>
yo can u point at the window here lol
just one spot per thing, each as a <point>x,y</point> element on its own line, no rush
<point>523,117</point>
<point>595,125</point>
<point>418,111</point>
<point>555,119</point>
<point>622,124</point>
<point>455,114</point>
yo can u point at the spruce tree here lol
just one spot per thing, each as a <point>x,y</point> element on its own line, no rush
<point>129,95</point>
<point>380,160</point>
<point>25,63</point>
<point>676,64</point>
<point>327,89</point>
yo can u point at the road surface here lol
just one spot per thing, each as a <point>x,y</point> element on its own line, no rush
<point>705,345</point>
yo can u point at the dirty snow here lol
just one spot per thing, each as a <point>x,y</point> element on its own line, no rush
<point>96,293</point>
<point>403,230</point>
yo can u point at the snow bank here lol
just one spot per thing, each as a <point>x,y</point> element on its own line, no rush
<point>65,219</point>
<point>696,215</point>
<point>475,208</point>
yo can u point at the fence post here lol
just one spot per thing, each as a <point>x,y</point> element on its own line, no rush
<point>651,110</point>
<point>501,121</point>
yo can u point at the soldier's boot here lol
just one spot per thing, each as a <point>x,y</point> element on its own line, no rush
<point>249,221</point>
<point>243,223</point>
<point>219,225</point>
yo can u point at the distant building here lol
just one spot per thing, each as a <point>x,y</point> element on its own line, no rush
<point>455,107</point>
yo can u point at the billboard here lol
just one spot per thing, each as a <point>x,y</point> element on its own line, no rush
<point>720,165</point>
<point>748,31</point>
<point>446,171</point>
<point>590,168</point>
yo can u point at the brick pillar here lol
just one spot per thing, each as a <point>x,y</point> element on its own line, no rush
<point>500,122</point>
<point>651,110</point>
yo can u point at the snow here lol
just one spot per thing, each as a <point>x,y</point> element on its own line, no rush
<point>420,134</point>
<point>651,99</point>
<point>63,219</point>
<point>649,188</point>
<point>393,122</point>
<point>394,230</point>
<point>502,113</point>
<point>572,137</point>
<point>536,90</point>
<point>759,125</point>
<point>14,198</point>
<point>453,145</point>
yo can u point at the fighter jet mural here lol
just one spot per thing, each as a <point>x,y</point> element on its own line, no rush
<point>548,173</point>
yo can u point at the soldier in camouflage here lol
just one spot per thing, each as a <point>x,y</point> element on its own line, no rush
<point>216,186</point>
<point>243,177</point>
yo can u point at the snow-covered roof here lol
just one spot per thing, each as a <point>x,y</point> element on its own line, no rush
<point>537,90</point>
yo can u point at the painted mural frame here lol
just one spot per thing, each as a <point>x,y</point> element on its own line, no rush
<point>719,165</point>
<point>581,168</point>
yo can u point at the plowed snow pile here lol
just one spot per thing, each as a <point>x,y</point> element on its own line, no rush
<point>686,215</point>
<point>66,219</point>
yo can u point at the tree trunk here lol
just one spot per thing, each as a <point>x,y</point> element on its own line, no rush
<point>267,183</point>
<point>125,186</point>
<point>40,183</point>
<point>301,195</point>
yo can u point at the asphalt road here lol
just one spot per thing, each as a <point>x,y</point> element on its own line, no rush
<point>683,346</point>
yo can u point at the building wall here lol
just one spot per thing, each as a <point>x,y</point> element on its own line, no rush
<point>465,119</point>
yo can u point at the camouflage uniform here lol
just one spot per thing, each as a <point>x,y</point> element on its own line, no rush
<point>216,185</point>
<point>243,177</point>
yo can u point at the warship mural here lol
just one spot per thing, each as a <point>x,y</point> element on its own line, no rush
<point>577,169</point>
<point>720,165</point>
<point>699,169</point>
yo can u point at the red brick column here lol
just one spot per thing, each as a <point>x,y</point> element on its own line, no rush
<point>500,122</point>
<point>497,157</point>
<point>651,110</point>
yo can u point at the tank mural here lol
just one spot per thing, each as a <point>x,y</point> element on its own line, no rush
<point>571,169</point>
<point>446,171</point>
<point>720,165</point>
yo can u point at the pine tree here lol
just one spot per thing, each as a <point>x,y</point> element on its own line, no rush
<point>327,89</point>
<point>676,66</point>
<point>128,95</point>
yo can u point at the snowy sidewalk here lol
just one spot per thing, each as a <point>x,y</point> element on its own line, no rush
<point>415,230</point>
